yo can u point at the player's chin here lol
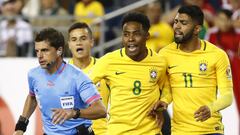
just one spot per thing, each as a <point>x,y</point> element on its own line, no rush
<point>79,55</point>
<point>132,53</point>
<point>178,39</point>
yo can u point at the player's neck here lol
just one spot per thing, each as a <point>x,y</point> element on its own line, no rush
<point>191,45</point>
<point>82,63</point>
<point>53,68</point>
<point>140,57</point>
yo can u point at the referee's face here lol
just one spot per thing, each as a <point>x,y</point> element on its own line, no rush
<point>134,40</point>
<point>46,54</point>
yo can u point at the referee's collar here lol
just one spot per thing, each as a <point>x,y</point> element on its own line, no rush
<point>61,68</point>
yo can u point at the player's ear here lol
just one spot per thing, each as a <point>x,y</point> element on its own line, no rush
<point>198,28</point>
<point>92,42</point>
<point>147,35</point>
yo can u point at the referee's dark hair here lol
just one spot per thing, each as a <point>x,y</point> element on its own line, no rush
<point>194,12</point>
<point>52,36</point>
<point>137,17</point>
<point>80,25</point>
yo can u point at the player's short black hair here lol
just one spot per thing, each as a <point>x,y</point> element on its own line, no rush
<point>80,25</point>
<point>52,36</point>
<point>137,17</point>
<point>194,12</point>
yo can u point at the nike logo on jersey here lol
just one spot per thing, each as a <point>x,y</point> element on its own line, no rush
<point>119,73</point>
<point>169,67</point>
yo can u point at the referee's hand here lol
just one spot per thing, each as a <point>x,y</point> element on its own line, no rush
<point>60,115</point>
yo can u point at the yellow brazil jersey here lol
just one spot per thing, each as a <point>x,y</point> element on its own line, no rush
<point>89,12</point>
<point>100,125</point>
<point>195,79</point>
<point>134,88</point>
<point>161,34</point>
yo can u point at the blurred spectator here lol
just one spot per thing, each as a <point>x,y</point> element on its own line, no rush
<point>15,33</point>
<point>0,7</point>
<point>208,11</point>
<point>51,15</point>
<point>161,33</point>
<point>47,13</point>
<point>88,10</point>
<point>31,8</point>
<point>236,20</point>
<point>204,4</point>
<point>236,14</point>
<point>18,7</point>
<point>224,34</point>
<point>230,4</point>
<point>227,37</point>
<point>236,60</point>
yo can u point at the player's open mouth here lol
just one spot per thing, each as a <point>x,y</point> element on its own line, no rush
<point>79,50</point>
<point>132,48</point>
<point>178,33</point>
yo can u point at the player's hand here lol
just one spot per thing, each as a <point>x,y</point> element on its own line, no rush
<point>157,107</point>
<point>18,132</point>
<point>159,119</point>
<point>61,115</point>
<point>202,114</point>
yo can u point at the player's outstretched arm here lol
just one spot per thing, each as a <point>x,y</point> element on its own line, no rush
<point>29,107</point>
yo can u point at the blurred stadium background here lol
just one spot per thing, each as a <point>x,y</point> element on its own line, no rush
<point>21,19</point>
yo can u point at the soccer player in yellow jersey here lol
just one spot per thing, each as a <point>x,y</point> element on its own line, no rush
<point>135,75</point>
<point>199,76</point>
<point>161,33</point>
<point>80,43</point>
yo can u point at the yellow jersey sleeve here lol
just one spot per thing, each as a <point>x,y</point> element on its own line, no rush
<point>98,70</point>
<point>224,83</point>
<point>166,94</point>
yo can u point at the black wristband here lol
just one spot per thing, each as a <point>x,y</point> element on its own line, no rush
<point>22,124</point>
<point>77,115</point>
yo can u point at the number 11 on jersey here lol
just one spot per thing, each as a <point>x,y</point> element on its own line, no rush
<point>188,79</point>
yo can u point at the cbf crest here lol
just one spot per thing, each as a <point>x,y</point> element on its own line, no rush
<point>229,73</point>
<point>153,75</point>
<point>203,67</point>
